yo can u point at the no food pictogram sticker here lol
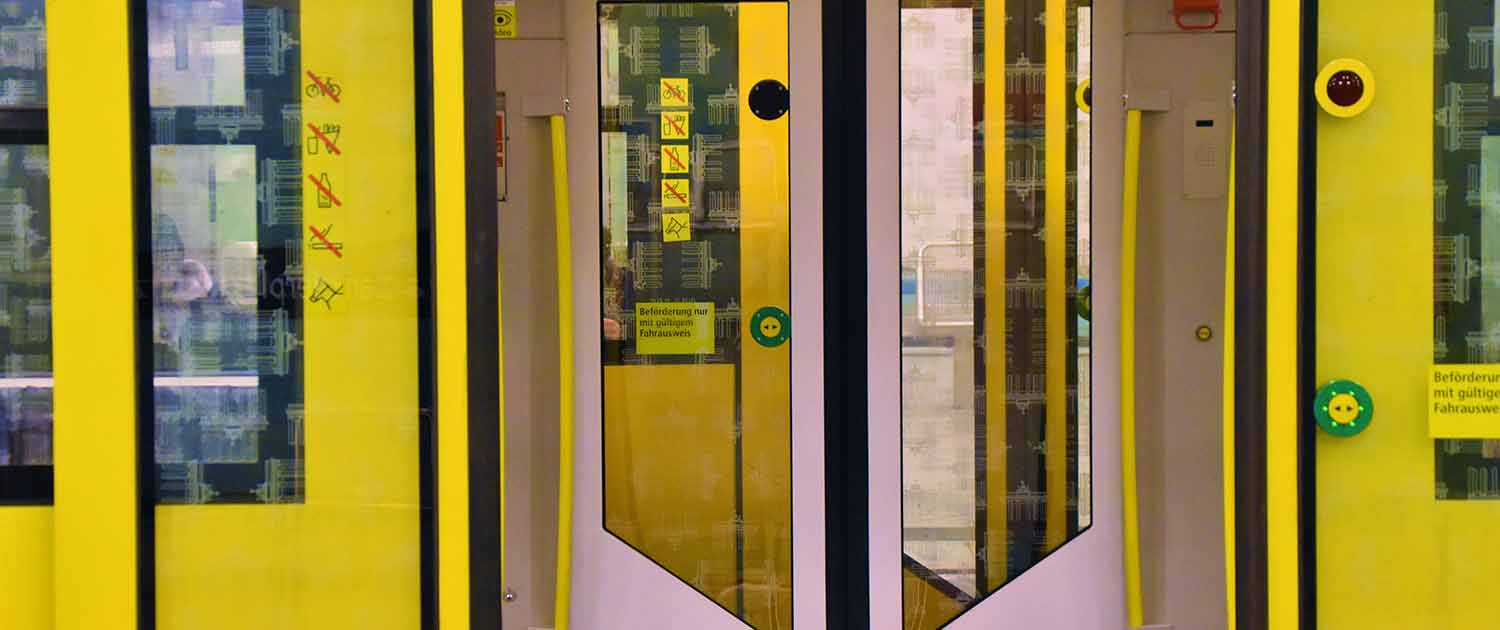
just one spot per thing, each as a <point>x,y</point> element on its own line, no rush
<point>674,126</point>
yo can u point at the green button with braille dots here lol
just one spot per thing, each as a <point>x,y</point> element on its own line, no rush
<point>1343,408</point>
<point>770,327</point>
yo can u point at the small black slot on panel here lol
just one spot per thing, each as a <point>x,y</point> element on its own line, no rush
<point>1205,123</point>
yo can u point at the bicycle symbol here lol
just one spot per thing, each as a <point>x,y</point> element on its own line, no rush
<point>326,86</point>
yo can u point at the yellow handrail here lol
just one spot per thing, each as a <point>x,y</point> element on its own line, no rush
<point>1131,509</point>
<point>1230,580</point>
<point>565,372</point>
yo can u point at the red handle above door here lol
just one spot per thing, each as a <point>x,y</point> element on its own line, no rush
<point>1182,8</point>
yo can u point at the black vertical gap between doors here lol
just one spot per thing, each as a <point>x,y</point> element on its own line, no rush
<point>426,312</point>
<point>483,271</point>
<point>1249,313</point>
<point>145,405</point>
<point>1307,320</point>
<point>845,312</point>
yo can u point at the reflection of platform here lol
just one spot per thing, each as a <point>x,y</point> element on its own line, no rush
<point>197,53</point>
<point>937,458</point>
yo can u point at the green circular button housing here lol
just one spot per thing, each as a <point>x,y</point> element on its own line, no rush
<point>1343,408</point>
<point>770,327</point>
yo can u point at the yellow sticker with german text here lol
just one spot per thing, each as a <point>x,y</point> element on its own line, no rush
<point>674,327</point>
<point>1463,401</point>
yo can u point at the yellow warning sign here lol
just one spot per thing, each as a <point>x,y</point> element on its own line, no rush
<point>675,193</point>
<point>674,126</point>
<point>676,226</point>
<point>675,159</point>
<point>674,327</point>
<point>674,93</point>
<point>505,19</point>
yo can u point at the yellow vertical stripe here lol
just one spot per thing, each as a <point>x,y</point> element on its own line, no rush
<point>93,307</point>
<point>1131,508</point>
<point>1284,87</point>
<point>564,225</point>
<point>1056,138</point>
<point>996,534</point>
<point>450,249</point>
<point>1227,432</point>
<point>27,577</point>
<point>1432,574</point>
<point>765,280</point>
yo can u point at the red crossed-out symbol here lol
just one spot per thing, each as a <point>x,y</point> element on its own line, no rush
<point>324,238</point>
<point>672,190</point>
<point>331,146</point>
<point>672,155</point>
<point>676,126</point>
<point>674,92</point>
<point>327,192</point>
<point>333,94</point>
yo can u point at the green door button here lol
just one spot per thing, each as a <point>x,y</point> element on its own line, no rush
<point>770,327</point>
<point>1343,408</point>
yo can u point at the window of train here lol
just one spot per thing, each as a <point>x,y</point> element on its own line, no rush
<point>995,311</point>
<point>289,312</point>
<point>696,295</point>
<point>25,258</point>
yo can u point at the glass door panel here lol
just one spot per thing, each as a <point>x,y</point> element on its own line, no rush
<point>25,260</point>
<point>696,295</point>
<point>289,404</point>
<point>1407,241</point>
<point>996,472</point>
<point>26,353</point>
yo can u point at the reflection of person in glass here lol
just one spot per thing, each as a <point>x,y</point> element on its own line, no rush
<point>176,282</point>
<point>619,295</point>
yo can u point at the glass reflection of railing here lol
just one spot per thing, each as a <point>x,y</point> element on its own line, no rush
<point>945,284</point>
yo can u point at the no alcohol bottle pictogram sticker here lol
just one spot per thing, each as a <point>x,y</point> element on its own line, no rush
<point>675,159</point>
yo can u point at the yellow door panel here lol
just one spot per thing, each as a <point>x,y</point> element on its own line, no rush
<point>1398,543</point>
<point>285,257</point>
<point>696,300</point>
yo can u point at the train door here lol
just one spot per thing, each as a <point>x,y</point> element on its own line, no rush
<point>1401,240</point>
<point>1045,430</point>
<point>993,445</point>
<point>667,155</point>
